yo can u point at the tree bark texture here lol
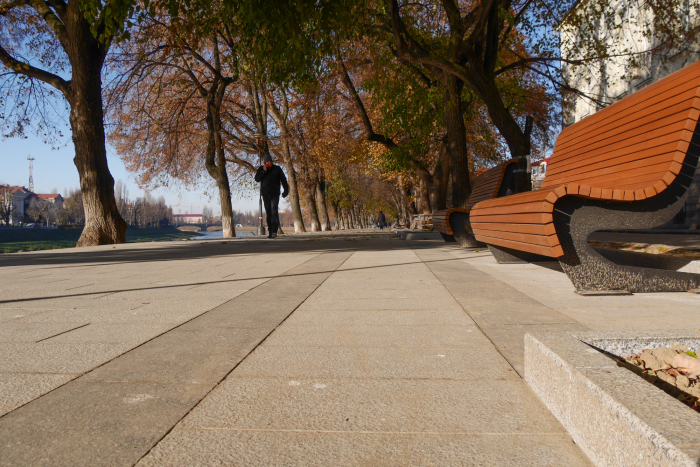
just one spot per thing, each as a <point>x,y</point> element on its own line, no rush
<point>424,182</point>
<point>215,160</point>
<point>294,195</point>
<point>405,191</point>
<point>309,199</point>
<point>324,218</point>
<point>441,178</point>
<point>517,139</point>
<point>280,117</point>
<point>456,141</point>
<point>103,224</point>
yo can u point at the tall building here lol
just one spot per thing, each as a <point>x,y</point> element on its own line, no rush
<point>636,59</point>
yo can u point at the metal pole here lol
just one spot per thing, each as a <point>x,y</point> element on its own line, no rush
<point>261,228</point>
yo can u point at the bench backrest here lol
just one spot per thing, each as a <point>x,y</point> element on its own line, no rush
<point>491,184</point>
<point>634,148</point>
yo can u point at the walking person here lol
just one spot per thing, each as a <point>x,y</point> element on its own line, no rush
<point>270,176</point>
<point>381,220</point>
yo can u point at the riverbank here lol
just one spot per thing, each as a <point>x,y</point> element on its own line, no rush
<point>15,240</point>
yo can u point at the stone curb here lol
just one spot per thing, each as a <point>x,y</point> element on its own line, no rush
<point>615,416</point>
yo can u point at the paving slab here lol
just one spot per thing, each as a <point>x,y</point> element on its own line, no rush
<point>379,363</point>
<point>16,389</point>
<point>169,357</point>
<point>135,399</point>
<point>373,362</point>
<point>88,424</point>
<point>380,317</point>
<point>510,339</point>
<point>373,405</point>
<point>551,288</point>
<point>34,332</point>
<point>353,449</point>
<point>373,335</point>
<point>111,333</point>
<point>503,312</point>
<point>44,357</point>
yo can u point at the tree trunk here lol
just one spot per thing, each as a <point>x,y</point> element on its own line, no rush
<point>441,177</point>
<point>351,217</point>
<point>294,194</point>
<point>215,160</point>
<point>229,227</point>
<point>281,120</point>
<point>322,207</point>
<point>517,139</point>
<point>456,141</point>
<point>103,224</point>
<point>405,191</point>
<point>309,192</point>
<point>424,182</point>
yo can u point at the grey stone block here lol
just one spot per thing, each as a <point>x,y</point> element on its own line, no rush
<point>615,416</point>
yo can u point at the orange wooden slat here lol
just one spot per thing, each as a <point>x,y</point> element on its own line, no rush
<point>532,218</point>
<point>664,89</point>
<point>651,116</point>
<point>520,198</point>
<point>676,117</point>
<point>602,176</point>
<point>516,236</point>
<point>534,229</point>
<point>554,252</point>
<point>620,161</point>
<point>612,158</point>
<point>541,206</point>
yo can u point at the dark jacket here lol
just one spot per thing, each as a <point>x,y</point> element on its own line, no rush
<point>381,220</point>
<point>270,181</point>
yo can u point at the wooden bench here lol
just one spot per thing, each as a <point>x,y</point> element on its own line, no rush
<point>453,223</point>
<point>629,166</point>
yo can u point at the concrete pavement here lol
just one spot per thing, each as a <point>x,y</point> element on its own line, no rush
<point>349,350</point>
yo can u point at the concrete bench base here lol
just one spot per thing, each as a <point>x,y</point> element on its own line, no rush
<point>419,235</point>
<point>615,416</point>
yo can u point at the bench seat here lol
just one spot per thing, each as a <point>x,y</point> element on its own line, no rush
<point>453,223</point>
<point>629,166</point>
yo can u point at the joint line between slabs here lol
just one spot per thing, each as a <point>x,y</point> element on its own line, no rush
<point>521,293</point>
<point>366,432</point>
<point>470,317</point>
<point>251,351</point>
<point>146,342</point>
<point>55,335</point>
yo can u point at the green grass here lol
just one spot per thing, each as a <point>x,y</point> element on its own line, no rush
<point>12,240</point>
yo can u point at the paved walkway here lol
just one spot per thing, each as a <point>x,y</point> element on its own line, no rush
<point>343,350</point>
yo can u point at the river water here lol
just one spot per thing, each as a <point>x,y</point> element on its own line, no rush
<point>219,234</point>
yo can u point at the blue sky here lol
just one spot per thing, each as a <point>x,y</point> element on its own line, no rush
<point>55,169</point>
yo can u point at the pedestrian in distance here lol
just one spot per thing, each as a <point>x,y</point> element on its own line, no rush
<point>270,176</point>
<point>381,220</point>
